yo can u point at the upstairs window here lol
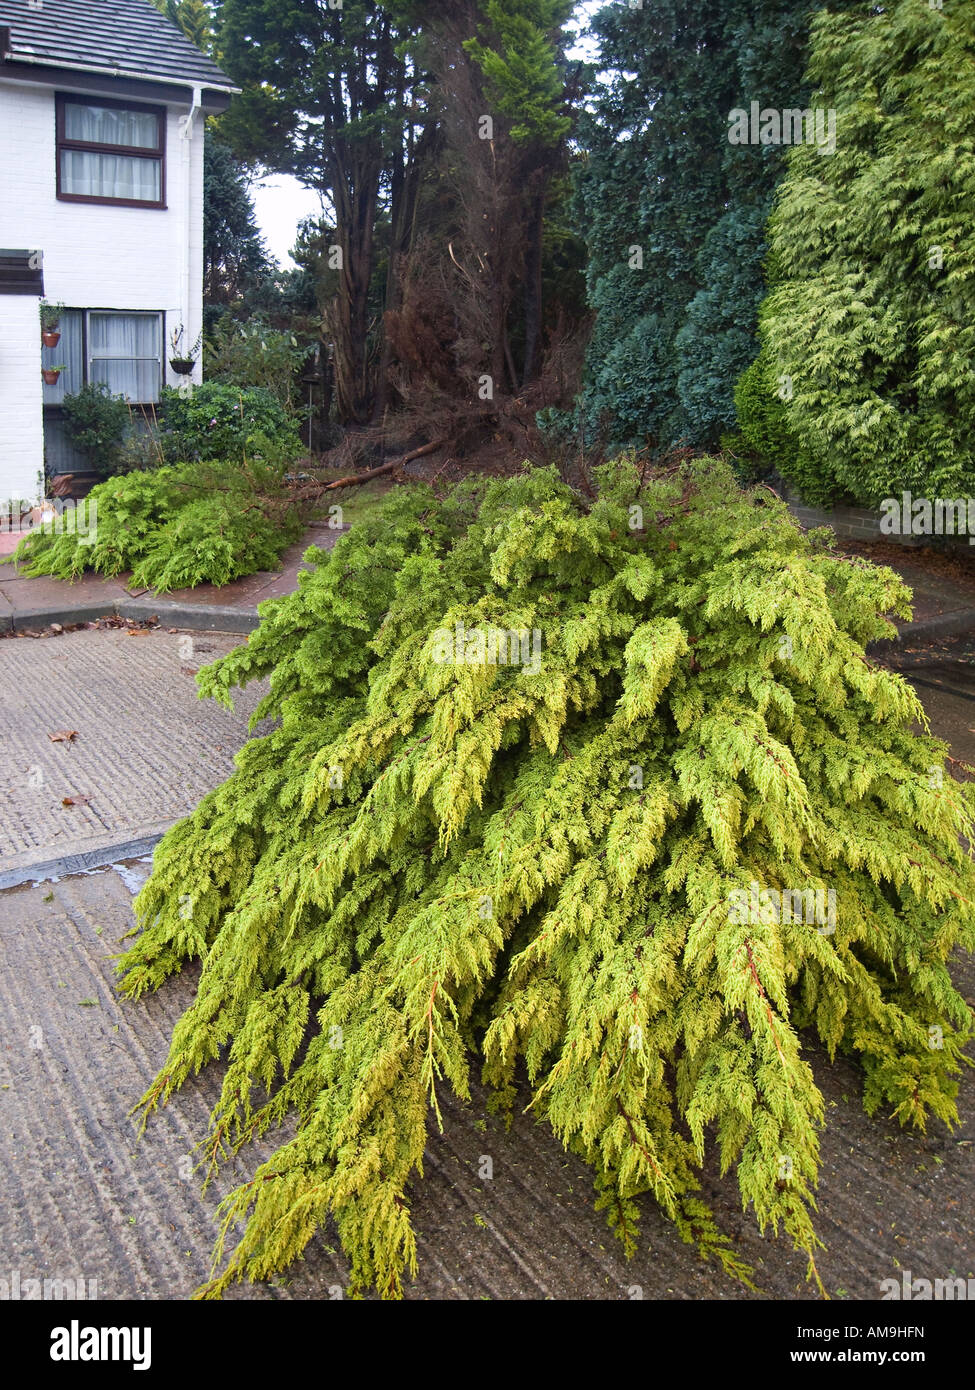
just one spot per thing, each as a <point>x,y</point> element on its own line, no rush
<point>111,152</point>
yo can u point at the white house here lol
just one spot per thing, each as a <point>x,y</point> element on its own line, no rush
<point>102,106</point>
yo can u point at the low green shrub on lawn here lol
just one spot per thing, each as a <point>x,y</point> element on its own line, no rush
<point>174,528</point>
<point>352,504</point>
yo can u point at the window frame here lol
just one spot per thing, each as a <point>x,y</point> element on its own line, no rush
<point>87,358</point>
<point>62,142</point>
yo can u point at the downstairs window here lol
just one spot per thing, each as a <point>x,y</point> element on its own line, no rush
<point>121,350</point>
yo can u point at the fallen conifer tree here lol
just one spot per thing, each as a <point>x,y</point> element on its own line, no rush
<point>604,797</point>
<point>174,527</point>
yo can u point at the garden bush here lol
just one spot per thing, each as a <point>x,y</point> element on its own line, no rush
<point>566,868</point>
<point>218,421</point>
<point>871,308</point>
<point>96,423</point>
<point>252,354</point>
<point>173,527</point>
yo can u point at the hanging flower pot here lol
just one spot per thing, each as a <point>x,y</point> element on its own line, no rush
<point>50,337</point>
<point>51,374</point>
<point>184,353</point>
<point>50,319</point>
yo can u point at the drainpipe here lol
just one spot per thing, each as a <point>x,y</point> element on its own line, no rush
<point>186,131</point>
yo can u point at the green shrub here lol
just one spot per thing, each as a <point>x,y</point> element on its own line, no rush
<point>436,865</point>
<point>767,441</point>
<point>95,422</point>
<point>871,306</point>
<point>224,422</point>
<point>174,527</point>
<point>245,355</point>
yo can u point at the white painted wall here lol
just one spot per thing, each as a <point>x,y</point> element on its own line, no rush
<point>21,428</point>
<point>95,257</point>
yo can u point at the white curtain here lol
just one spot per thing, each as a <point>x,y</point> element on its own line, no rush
<point>96,175</point>
<point>67,354</point>
<point>110,176</point>
<point>125,353</point>
<point>109,125</point>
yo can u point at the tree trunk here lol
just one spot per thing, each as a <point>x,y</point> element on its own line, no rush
<point>533,289</point>
<point>357,194</point>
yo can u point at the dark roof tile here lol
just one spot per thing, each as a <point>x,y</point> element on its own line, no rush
<point>129,35</point>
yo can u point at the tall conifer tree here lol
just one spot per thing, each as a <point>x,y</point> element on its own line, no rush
<point>675,213</point>
<point>193,17</point>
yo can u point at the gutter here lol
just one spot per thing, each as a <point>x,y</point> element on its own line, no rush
<point>186,122</point>
<point>24,55</point>
<point>186,133</point>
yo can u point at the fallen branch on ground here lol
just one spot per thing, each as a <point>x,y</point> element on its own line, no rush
<point>354,478</point>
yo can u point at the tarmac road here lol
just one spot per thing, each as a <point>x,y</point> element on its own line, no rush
<point>943,673</point>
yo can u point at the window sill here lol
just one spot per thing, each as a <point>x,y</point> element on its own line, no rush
<point>112,202</point>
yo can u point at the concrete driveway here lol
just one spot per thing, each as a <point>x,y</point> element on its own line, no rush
<point>86,1200</point>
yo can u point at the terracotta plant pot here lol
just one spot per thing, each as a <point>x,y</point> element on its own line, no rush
<point>182,366</point>
<point>75,485</point>
<point>50,337</point>
<point>50,377</point>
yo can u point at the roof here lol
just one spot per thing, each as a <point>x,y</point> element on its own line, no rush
<point>130,37</point>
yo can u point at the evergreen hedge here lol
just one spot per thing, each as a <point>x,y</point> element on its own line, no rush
<point>871,309</point>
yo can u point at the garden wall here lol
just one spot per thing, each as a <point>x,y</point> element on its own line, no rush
<point>862,524</point>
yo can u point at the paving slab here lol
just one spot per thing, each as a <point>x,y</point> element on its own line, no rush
<point>31,603</point>
<point>146,747</point>
<point>34,603</point>
<point>43,590</point>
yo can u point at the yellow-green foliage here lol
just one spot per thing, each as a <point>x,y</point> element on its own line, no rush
<point>871,307</point>
<point>173,527</point>
<point>427,867</point>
